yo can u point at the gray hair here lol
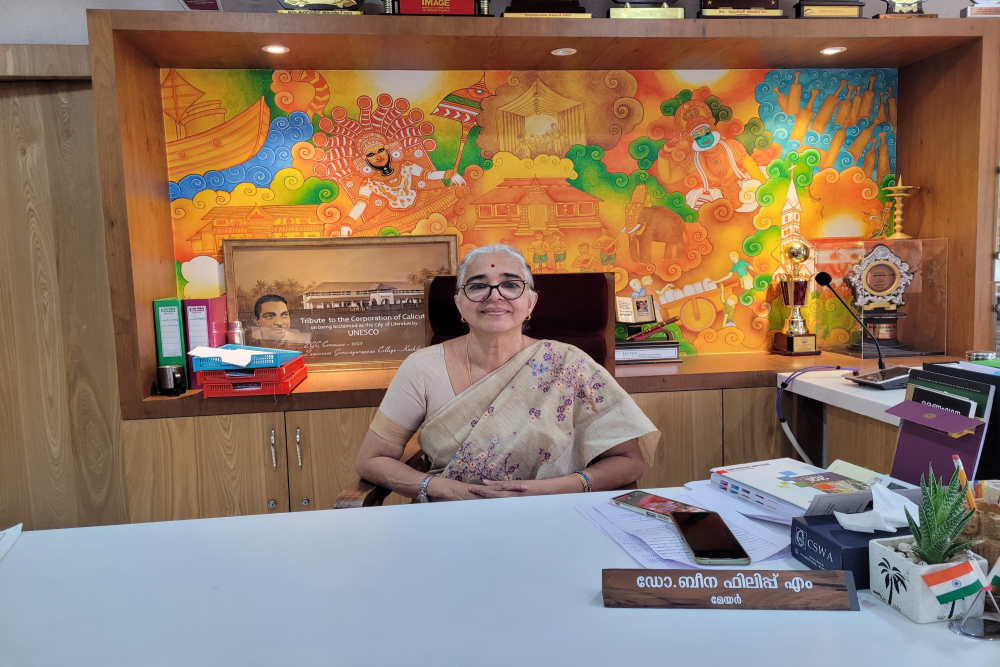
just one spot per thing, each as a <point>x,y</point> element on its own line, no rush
<point>494,249</point>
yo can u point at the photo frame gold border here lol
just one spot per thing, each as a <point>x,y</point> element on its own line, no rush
<point>229,246</point>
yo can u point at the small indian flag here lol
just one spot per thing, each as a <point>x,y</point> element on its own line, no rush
<point>994,577</point>
<point>954,582</point>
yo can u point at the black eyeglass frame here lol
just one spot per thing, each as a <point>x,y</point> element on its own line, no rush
<point>524,284</point>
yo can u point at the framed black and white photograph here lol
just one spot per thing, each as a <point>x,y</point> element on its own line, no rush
<point>341,301</point>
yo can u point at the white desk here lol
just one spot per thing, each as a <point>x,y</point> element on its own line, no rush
<point>831,388</point>
<point>480,583</point>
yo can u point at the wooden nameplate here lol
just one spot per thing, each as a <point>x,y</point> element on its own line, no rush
<point>821,590</point>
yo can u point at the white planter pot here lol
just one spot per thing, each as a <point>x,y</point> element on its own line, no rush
<point>906,592</point>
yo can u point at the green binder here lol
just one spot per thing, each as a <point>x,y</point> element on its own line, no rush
<point>169,332</point>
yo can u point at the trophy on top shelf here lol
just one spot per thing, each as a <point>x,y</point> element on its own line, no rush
<point>437,7</point>
<point>905,9</point>
<point>645,10</point>
<point>564,9</point>
<point>742,9</point>
<point>982,9</point>
<point>349,7</point>
<point>830,9</point>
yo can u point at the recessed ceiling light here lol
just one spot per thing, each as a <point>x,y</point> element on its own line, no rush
<point>275,48</point>
<point>833,50</point>
<point>563,52</point>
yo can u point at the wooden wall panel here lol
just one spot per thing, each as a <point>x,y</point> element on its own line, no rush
<point>957,174</point>
<point>750,429</point>
<point>199,467</point>
<point>690,424</point>
<point>58,461</point>
<point>860,440</point>
<point>85,303</point>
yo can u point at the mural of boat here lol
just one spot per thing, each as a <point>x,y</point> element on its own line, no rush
<point>230,143</point>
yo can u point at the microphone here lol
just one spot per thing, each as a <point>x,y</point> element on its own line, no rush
<point>823,279</point>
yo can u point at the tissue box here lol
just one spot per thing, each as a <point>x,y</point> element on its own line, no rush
<point>820,543</point>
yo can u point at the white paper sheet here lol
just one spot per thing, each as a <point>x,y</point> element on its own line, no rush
<point>635,547</point>
<point>7,539</point>
<point>235,357</point>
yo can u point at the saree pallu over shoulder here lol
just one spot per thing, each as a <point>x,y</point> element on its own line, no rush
<point>547,412</point>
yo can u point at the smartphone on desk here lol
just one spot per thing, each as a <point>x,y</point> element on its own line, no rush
<point>709,539</point>
<point>655,507</point>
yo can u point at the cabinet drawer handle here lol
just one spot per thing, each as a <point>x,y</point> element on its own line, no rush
<point>274,458</point>
<point>298,450</point>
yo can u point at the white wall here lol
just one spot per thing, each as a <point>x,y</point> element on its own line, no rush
<point>65,21</point>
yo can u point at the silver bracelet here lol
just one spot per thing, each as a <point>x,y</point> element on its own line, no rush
<point>422,494</point>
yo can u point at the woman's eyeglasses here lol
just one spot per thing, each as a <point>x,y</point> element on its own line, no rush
<point>508,289</point>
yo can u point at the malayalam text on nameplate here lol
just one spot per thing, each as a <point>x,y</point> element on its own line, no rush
<point>821,590</point>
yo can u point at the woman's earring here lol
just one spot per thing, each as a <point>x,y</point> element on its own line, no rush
<point>462,318</point>
<point>528,317</point>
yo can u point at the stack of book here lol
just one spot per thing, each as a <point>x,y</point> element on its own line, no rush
<point>786,488</point>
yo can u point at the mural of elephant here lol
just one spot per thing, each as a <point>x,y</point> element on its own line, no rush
<point>645,223</point>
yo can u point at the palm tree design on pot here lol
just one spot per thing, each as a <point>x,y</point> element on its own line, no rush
<point>894,579</point>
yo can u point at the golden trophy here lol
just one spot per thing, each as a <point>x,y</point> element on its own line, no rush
<point>795,340</point>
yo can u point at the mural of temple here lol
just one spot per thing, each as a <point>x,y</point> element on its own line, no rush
<point>537,204</point>
<point>362,295</point>
<point>254,222</point>
<point>541,121</point>
<point>791,220</point>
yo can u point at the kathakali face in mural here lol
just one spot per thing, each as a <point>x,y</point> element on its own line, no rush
<point>665,182</point>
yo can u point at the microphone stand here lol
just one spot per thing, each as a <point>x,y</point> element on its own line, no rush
<point>881,362</point>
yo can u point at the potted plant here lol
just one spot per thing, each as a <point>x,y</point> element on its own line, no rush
<point>899,563</point>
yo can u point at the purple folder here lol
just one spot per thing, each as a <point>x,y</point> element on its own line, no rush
<point>929,435</point>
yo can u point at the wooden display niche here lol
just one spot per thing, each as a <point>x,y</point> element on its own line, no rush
<point>946,143</point>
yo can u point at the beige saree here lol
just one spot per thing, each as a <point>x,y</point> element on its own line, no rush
<point>547,412</point>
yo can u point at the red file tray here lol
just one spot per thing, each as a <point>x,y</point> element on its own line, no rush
<point>254,388</point>
<point>278,374</point>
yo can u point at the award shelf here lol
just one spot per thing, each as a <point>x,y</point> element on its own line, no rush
<point>947,142</point>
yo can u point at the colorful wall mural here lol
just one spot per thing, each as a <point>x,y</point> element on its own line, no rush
<point>684,184</point>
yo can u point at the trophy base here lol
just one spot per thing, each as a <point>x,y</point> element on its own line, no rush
<point>793,346</point>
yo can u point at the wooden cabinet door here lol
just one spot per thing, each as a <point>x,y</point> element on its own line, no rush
<point>198,467</point>
<point>690,424</point>
<point>322,445</point>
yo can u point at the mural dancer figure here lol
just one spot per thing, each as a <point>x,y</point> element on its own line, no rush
<point>721,164</point>
<point>381,160</point>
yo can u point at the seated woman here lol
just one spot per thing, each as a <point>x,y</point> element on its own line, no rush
<point>503,414</point>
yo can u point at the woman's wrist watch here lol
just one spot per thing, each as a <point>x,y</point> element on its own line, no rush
<point>422,494</point>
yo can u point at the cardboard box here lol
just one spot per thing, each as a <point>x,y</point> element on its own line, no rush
<point>820,543</point>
